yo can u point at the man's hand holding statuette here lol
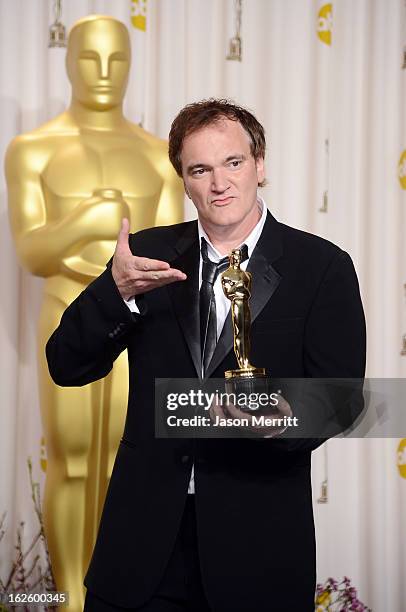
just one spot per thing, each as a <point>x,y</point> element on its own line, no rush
<point>219,411</point>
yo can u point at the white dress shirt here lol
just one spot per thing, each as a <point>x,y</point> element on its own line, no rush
<point>222,303</point>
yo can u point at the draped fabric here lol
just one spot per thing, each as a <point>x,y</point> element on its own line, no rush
<point>326,80</point>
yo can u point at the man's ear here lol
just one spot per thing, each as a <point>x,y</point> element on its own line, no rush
<point>186,191</point>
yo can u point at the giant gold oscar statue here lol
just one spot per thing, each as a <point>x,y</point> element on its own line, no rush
<point>70,182</point>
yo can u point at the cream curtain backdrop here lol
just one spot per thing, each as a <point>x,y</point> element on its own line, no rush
<point>350,93</point>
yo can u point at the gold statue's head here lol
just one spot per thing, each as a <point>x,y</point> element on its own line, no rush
<point>98,61</point>
<point>235,258</point>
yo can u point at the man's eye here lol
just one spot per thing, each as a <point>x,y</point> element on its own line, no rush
<point>198,171</point>
<point>235,163</point>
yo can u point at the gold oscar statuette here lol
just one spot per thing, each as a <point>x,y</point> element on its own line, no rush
<point>236,284</point>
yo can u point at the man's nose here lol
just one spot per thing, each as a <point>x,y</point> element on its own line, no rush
<point>219,180</point>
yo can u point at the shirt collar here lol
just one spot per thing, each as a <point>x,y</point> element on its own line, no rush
<point>251,240</point>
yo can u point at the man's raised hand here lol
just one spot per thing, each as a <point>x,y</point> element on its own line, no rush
<point>135,275</point>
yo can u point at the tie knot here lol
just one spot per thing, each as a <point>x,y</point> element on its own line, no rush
<point>210,269</point>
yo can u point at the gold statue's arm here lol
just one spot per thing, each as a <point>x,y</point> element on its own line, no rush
<point>170,206</point>
<point>41,242</point>
<point>93,331</point>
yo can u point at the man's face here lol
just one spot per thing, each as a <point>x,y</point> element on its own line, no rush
<point>98,62</point>
<point>221,176</point>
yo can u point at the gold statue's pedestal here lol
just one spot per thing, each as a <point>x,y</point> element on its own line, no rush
<point>245,373</point>
<point>250,383</point>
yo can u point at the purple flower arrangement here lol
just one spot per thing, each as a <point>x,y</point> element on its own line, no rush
<point>334,596</point>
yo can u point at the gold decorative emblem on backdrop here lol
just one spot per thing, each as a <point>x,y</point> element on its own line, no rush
<point>403,349</point>
<point>235,43</point>
<point>402,170</point>
<point>43,455</point>
<point>404,58</point>
<point>57,31</point>
<point>325,23</point>
<point>402,458</point>
<point>139,14</point>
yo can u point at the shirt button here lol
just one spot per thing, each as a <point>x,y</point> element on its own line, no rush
<point>185,458</point>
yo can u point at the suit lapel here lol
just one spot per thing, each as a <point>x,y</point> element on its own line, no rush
<point>185,294</point>
<point>265,280</point>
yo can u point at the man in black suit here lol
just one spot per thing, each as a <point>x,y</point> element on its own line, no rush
<point>210,524</point>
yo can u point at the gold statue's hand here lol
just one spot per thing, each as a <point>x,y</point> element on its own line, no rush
<point>100,215</point>
<point>135,275</point>
<point>44,246</point>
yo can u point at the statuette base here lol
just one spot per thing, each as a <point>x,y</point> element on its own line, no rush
<point>245,373</point>
<point>250,384</point>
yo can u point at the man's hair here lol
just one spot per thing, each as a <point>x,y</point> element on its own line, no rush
<point>198,115</point>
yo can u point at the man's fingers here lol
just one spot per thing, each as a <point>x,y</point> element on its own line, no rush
<point>122,238</point>
<point>144,263</point>
<point>134,275</point>
<point>160,275</point>
<point>264,430</point>
<point>283,407</point>
<point>216,410</point>
<point>159,279</point>
<point>143,286</point>
<point>146,281</point>
<point>170,279</point>
<point>235,412</point>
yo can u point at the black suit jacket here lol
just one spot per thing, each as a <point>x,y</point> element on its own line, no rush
<point>253,497</point>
